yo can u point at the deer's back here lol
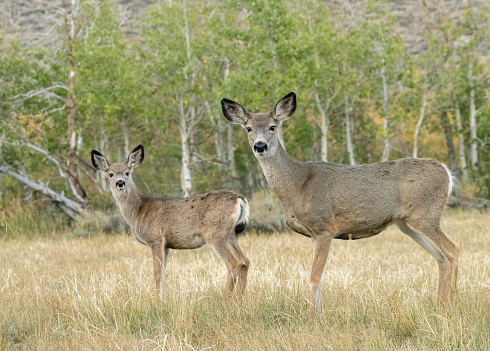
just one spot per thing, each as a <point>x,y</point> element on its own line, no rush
<point>191,222</point>
<point>361,201</point>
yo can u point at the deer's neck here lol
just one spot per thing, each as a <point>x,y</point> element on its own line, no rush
<point>283,174</point>
<point>129,203</point>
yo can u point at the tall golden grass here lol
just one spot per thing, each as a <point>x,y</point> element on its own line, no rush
<point>96,293</point>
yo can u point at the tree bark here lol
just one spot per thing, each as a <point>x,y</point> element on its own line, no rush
<point>462,154</point>
<point>231,151</point>
<point>71,160</point>
<point>127,147</point>
<point>218,139</point>
<point>217,134</point>
<point>386,141</point>
<point>185,175</point>
<point>419,124</point>
<point>230,146</point>
<point>186,124</point>
<point>280,135</point>
<point>325,123</point>
<point>473,126</point>
<point>451,153</point>
<point>279,130</point>
<point>348,137</point>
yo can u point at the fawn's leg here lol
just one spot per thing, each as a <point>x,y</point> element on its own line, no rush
<point>224,251</point>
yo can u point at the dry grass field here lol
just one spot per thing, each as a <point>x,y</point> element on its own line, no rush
<point>96,293</point>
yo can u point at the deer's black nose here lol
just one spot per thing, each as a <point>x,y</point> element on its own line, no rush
<point>260,146</point>
<point>120,183</point>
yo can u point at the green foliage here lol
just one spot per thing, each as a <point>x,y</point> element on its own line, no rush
<point>133,89</point>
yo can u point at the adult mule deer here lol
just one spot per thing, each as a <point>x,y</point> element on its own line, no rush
<point>162,224</point>
<point>326,201</point>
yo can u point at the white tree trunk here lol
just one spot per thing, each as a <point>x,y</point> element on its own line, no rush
<point>230,141</point>
<point>279,130</point>
<point>348,137</point>
<point>217,134</point>
<point>126,139</point>
<point>185,174</point>
<point>386,147</point>
<point>186,31</point>
<point>103,179</point>
<point>462,155</point>
<point>419,124</point>
<point>473,127</point>
<point>325,123</point>
<point>218,140</point>
<point>231,151</point>
<point>280,135</point>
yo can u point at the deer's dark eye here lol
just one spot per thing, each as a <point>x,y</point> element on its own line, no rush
<point>248,129</point>
<point>127,174</point>
<point>111,175</point>
<point>272,128</point>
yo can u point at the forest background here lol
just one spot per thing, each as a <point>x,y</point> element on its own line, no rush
<point>375,81</point>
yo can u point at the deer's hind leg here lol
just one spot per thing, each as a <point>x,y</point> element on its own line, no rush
<point>441,247</point>
<point>242,268</point>
<point>224,251</point>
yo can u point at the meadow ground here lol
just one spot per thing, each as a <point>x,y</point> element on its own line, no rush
<point>96,293</point>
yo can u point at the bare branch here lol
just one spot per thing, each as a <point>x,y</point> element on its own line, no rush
<point>43,188</point>
<point>330,99</point>
<point>59,109</point>
<point>58,164</point>
<point>204,159</point>
<point>195,120</point>
<point>47,90</point>
<point>45,153</point>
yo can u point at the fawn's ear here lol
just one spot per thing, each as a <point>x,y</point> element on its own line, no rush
<point>136,157</point>
<point>285,107</point>
<point>233,111</point>
<point>99,161</point>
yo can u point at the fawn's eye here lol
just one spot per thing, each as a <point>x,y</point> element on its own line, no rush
<point>127,174</point>
<point>272,128</point>
<point>111,175</point>
<point>248,129</point>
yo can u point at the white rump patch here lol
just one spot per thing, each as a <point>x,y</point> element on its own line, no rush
<point>243,211</point>
<point>451,180</point>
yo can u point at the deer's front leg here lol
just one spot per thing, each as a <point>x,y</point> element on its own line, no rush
<point>160,256</point>
<point>321,246</point>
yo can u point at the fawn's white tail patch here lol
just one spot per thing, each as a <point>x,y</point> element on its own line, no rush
<point>451,180</point>
<point>242,213</point>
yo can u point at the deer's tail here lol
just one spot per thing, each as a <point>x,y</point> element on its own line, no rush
<point>243,213</point>
<point>451,180</point>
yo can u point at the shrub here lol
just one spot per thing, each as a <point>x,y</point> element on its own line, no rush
<point>91,223</point>
<point>266,214</point>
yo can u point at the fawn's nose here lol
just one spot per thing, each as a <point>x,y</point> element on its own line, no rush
<point>120,183</point>
<point>260,146</point>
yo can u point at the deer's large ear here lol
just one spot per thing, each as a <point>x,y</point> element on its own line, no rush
<point>285,107</point>
<point>136,157</point>
<point>99,161</point>
<point>233,111</point>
